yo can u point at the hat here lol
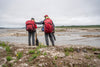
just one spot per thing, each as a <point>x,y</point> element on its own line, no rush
<point>46,16</point>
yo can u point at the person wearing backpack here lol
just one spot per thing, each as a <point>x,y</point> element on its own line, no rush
<point>48,29</point>
<point>31,28</point>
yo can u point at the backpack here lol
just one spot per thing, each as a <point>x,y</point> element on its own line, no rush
<point>30,26</point>
<point>48,26</point>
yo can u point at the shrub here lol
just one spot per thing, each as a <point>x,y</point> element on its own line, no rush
<point>9,58</point>
<point>19,55</point>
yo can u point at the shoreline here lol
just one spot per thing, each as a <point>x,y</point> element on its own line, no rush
<point>39,56</point>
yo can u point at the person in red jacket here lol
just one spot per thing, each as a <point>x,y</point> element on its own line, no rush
<point>31,28</point>
<point>48,28</point>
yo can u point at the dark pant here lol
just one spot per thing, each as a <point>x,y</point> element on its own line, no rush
<point>51,38</point>
<point>33,38</point>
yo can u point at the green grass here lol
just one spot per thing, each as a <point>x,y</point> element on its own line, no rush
<point>69,49</point>
<point>55,57</point>
<point>38,52</point>
<point>67,53</point>
<point>94,49</point>
<point>19,55</point>
<point>41,46</point>
<point>4,65</point>
<point>87,57</point>
<point>3,44</point>
<point>98,56</point>
<point>33,57</point>
<point>8,49</point>
<point>31,51</point>
<point>8,58</point>
<point>53,62</point>
<point>45,54</point>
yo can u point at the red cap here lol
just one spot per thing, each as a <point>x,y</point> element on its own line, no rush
<point>46,16</point>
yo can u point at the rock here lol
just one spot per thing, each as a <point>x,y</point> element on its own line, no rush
<point>95,60</point>
<point>12,61</point>
<point>78,50</point>
<point>84,50</point>
<point>15,52</point>
<point>41,56</point>
<point>13,58</point>
<point>23,65</point>
<point>61,55</point>
<point>1,48</point>
<point>20,59</point>
<point>97,52</point>
<point>40,65</point>
<point>2,61</point>
<point>19,50</point>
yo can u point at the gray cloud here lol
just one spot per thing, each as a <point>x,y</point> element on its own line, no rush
<point>14,13</point>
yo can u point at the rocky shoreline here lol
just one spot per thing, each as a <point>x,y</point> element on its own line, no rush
<point>52,56</point>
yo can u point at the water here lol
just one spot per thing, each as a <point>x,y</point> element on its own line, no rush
<point>63,38</point>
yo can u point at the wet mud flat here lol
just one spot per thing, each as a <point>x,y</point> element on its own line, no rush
<point>73,36</point>
<point>52,56</point>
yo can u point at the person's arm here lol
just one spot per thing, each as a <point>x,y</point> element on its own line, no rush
<point>39,22</point>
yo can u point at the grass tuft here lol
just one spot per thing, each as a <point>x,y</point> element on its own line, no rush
<point>19,55</point>
<point>8,58</point>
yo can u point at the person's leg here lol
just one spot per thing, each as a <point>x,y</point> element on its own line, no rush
<point>29,38</point>
<point>51,38</point>
<point>46,39</point>
<point>33,38</point>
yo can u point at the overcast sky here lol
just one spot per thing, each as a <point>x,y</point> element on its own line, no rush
<point>14,13</point>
